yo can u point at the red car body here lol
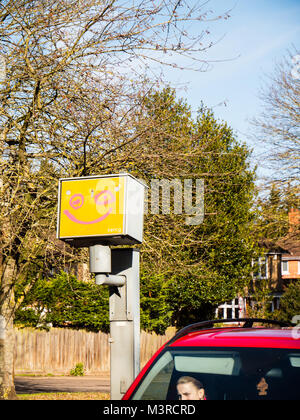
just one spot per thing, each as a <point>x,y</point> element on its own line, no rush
<point>233,337</point>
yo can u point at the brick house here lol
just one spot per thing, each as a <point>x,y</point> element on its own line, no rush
<point>277,268</point>
<point>290,266</point>
<point>281,263</point>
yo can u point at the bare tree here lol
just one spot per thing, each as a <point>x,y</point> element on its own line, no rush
<point>277,129</point>
<point>67,107</point>
<point>277,136</point>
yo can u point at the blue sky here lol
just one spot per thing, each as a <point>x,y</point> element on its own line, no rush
<point>258,34</point>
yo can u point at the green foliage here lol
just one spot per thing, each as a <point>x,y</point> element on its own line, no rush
<point>289,303</point>
<point>155,309</point>
<point>261,299</point>
<point>78,370</point>
<point>197,267</point>
<point>63,301</point>
<point>186,270</point>
<point>272,211</point>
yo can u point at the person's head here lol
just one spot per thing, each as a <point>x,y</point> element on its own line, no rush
<point>189,388</point>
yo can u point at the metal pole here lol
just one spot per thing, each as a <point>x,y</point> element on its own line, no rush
<point>124,314</point>
<point>119,268</point>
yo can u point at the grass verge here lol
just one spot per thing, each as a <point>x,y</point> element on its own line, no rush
<point>65,396</point>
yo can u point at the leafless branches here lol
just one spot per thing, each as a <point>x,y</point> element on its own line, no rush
<point>277,129</point>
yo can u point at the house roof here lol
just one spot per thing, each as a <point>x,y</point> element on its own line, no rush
<point>271,246</point>
<point>287,246</point>
<point>291,245</point>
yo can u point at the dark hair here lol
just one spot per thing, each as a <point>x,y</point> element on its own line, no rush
<point>187,379</point>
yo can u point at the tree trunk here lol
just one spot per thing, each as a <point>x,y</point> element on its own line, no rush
<point>7,339</point>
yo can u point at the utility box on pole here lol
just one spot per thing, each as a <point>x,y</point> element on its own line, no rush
<point>101,209</point>
<point>97,212</point>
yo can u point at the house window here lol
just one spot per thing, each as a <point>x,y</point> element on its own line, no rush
<point>260,268</point>
<point>298,267</point>
<point>233,309</point>
<point>263,268</point>
<point>285,267</point>
<point>275,304</point>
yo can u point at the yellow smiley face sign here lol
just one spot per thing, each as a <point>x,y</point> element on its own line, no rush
<point>91,207</point>
<point>94,208</point>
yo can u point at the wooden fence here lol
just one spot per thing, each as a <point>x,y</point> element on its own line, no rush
<point>59,350</point>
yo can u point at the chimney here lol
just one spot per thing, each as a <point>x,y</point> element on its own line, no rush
<point>294,219</point>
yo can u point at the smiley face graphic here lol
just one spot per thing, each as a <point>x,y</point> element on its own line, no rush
<point>92,207</point>
<point>103,198</point>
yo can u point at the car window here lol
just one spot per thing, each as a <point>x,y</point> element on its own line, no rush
<point>295,360</point>
<point>156,384</point>
<point>226,374</point>
<point>212,362</point>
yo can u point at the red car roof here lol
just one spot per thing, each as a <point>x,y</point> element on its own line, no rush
<point>240,337</point>
<point>228,337</point>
